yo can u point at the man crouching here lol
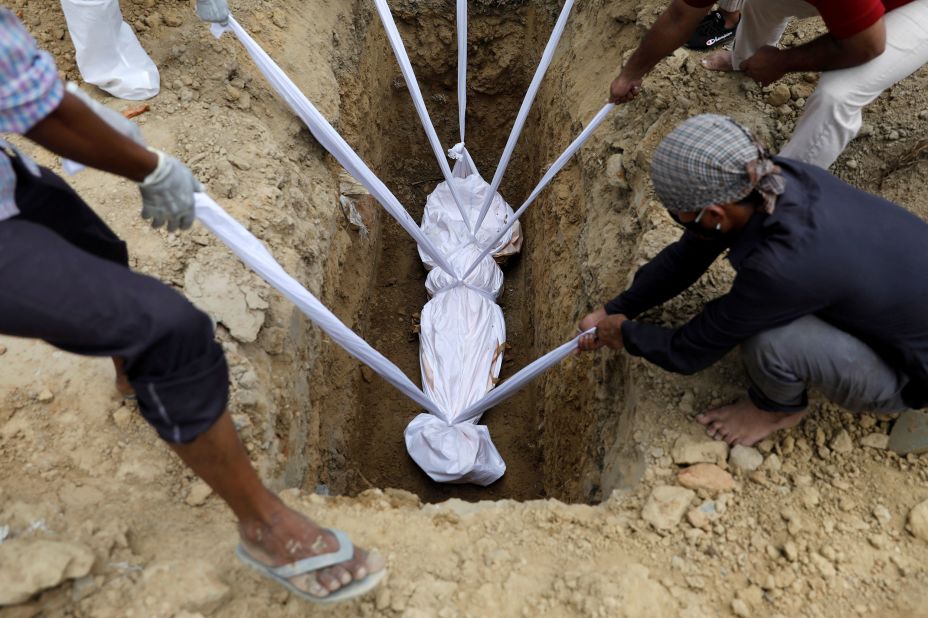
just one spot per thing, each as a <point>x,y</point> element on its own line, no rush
<point>831,288</point>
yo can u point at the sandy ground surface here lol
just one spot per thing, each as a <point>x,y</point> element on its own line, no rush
<point>97,519</point>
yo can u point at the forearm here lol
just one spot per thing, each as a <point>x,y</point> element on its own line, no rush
<point>669,32</point>
<point>827,53</point>
<point>673,270</point>
<point>75,132</point>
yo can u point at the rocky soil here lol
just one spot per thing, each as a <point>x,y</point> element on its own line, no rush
<point>636,513</point>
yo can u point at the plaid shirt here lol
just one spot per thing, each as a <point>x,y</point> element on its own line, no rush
<point>29,91</point>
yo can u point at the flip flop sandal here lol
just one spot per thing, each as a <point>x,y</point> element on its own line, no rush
<point>282,574</point>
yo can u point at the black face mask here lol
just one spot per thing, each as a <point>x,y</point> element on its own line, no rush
<point>695,227</point>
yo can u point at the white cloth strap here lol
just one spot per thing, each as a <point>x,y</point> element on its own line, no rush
<point>518,380</point>
<point>256,256</point>
<point>527,102</point>
<point>326,135</point>
<point>462,63</point>
<point>552,171</point>
<point>399,50</point>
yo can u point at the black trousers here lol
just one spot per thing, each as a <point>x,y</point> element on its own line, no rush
<point>64,278</point>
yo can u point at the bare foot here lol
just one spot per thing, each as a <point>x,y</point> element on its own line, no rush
<point>122,380</point>
<point>291,537</point>
<point>744,423</point>
<point>719,61</point>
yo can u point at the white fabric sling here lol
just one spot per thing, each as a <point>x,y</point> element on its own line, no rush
<point>399,50</point>
<point>558,164</point>
<point>326,135</point>
<point>526,107</point>
<point>462,65</point>
<point>256,256</point>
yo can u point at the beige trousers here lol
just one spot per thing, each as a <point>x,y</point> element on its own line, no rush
<point>833,114</point>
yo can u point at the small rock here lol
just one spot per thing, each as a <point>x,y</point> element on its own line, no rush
<point>367,374</point>
<point>687,450</point>
<point>279,18</point>
<point>881,514</point>
<point>918,521</point>
<point>666,505</point>
<point>753,596</point>
<point>122,417</point>
<point>198,494</point>
<point>45,396</point>
<point>232,93</point>
<point>779,95</point>
<point>706,476</point>
<point>172,21</point>
<point>615,172</point>
<point>879,441</point>
<point>842,442</point>
<point>182,585</point>
<point>772,463</point>
<point>825,568</point>
<point>790,551</point>
<point>746,458</point>
<point>697,518</point>
<point>740,608</point>
<point>809,497</point>
<point>878,541</point>
<point>2,350</point>
<point>28,566</point>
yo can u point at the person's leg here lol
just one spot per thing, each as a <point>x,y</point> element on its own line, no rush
<point>762,23</point>
<point>731,11</point>
<point>784,362</point>
<point>833,114</point>
<point>271,532</point>
<point>50,202</point>
<point>51,290</point>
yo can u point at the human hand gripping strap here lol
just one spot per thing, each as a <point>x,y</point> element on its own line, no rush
<point>168,194</point>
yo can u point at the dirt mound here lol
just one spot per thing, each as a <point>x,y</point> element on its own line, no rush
<point>812,523</point>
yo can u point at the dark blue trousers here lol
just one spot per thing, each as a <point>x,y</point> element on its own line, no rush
<point>64,278</point>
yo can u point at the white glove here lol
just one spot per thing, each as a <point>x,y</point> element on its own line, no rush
<point>216,11</point>
<point>167,194</point>
<point>110,116</point>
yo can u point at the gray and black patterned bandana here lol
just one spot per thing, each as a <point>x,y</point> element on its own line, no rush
<point>711,159</point>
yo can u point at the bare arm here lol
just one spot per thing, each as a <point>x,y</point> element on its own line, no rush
<point>825,53</point>
<point>670,31</point>
<point>75,132</point>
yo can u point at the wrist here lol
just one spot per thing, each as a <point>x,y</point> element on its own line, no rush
<point>141,163</point>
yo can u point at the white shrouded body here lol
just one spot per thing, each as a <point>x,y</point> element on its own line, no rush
<point>462,333</point>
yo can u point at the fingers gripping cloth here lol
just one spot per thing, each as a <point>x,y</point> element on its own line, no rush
<point>462,328</point>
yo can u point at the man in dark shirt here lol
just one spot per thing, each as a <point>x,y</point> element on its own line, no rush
<point>831,288</point>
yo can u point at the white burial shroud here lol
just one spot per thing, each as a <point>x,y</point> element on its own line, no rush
<point>462,331</point>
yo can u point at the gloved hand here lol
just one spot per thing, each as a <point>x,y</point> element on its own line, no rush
<point>167,194</point>
<point>216,11</point>
<point>109,116</point>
